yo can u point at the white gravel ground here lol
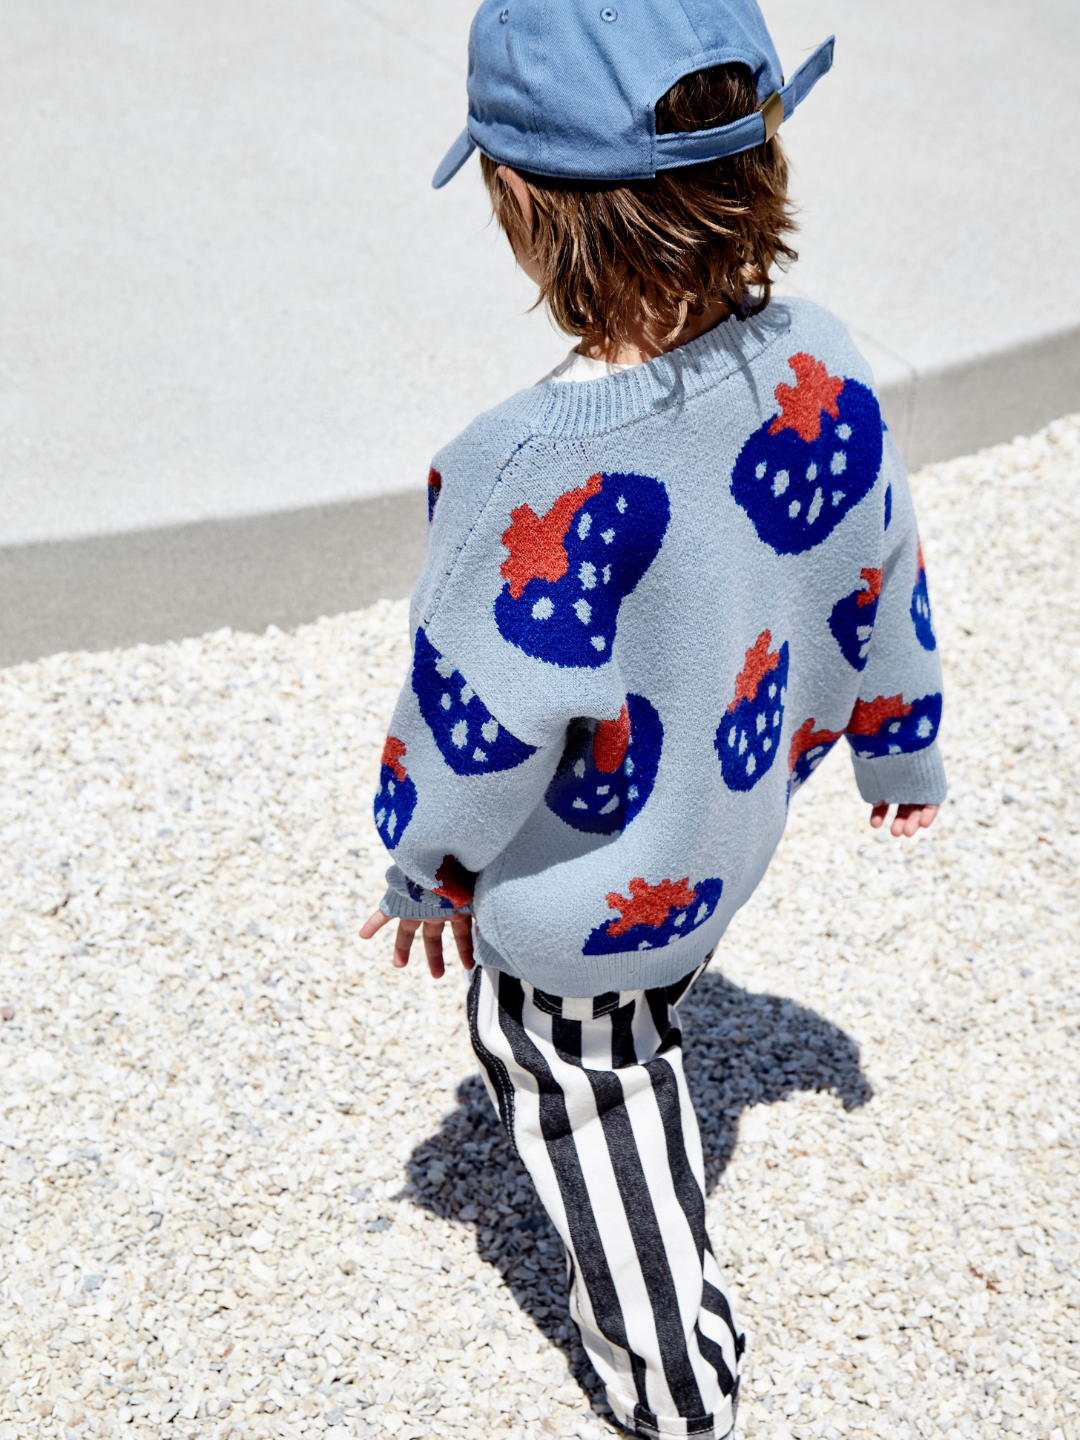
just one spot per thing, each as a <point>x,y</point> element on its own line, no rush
<point>251,1184</point>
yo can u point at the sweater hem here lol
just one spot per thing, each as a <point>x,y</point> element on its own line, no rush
<point>583,977</point>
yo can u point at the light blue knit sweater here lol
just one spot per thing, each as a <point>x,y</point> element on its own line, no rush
<point>651,603</point>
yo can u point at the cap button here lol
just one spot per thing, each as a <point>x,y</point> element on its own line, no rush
<point>609,14</point>
<point>504,15</point>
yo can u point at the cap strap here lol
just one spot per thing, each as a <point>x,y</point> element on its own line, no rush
<point>682,147</point>
<point>772,112</point>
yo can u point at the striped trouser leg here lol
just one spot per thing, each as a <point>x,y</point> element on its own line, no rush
<point>592,1093</point>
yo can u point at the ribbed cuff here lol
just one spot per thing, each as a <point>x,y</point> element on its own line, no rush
<point>404,907</point>
<point>916,779</point>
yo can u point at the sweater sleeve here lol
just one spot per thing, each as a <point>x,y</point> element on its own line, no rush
<point>893,728</point>
<point>455,786</point>
<point>512,644</point>
<point>479,727</point>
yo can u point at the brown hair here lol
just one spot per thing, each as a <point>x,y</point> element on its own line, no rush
<point>648,253</point>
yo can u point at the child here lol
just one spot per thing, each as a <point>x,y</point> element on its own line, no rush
<point>659,586</point>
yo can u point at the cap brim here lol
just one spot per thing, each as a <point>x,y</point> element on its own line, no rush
<point>454,159</point>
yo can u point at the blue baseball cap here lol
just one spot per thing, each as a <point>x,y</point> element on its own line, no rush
<point>568,88</point>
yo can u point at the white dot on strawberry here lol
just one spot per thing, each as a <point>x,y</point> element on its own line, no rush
<point>781,480</point>
<point>838,463</point>
<point>583,611</point>
<point>543,609</point>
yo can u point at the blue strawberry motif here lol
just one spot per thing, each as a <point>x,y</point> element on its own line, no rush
<point>920,610</point>
<point>748,736</point>
<point>654,915</point>
<point>888,506</point>
<point>434,490</point>
<point>852,620</point>
<point>607,771</point>
<point>395,799</point>
<point>801,472</point>
<point>470,739</point>
<point>807,750</point>
<point>886,726</point>
<point>568,571</point>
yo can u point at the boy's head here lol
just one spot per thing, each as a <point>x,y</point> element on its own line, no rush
<point>644,142</point>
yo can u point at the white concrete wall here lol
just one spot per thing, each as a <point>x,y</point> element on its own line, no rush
<point>229,296</point>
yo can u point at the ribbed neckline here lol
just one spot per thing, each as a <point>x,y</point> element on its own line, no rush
<point>589,407</point>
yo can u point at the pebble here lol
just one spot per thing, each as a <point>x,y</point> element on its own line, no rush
<point>252,1186</point>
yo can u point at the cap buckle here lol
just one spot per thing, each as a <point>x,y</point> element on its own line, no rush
<point>772,112</point>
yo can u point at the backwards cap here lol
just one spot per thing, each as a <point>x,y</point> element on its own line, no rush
<point>568,88</point>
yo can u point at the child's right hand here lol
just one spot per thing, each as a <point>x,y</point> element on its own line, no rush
<point>460,925</point>
<point>908,819</point>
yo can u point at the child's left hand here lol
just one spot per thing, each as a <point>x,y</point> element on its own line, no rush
<point>460,925</point>
<point>909,818</point>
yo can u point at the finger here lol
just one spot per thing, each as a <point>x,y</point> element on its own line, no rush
<point>900,821</point>
<point>461,925</point>
<point>433,947</point>
<point>907,820</point>
<point>926,819</point>
<point>403,944</point>
<point>373,924</point>
<point>877,816</point>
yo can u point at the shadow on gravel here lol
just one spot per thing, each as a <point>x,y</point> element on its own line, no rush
<point>740,1049</point>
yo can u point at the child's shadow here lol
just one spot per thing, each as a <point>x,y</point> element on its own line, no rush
<point>740,1049</point>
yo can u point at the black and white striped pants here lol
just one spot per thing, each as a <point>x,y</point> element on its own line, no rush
<point>593,1096</point>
